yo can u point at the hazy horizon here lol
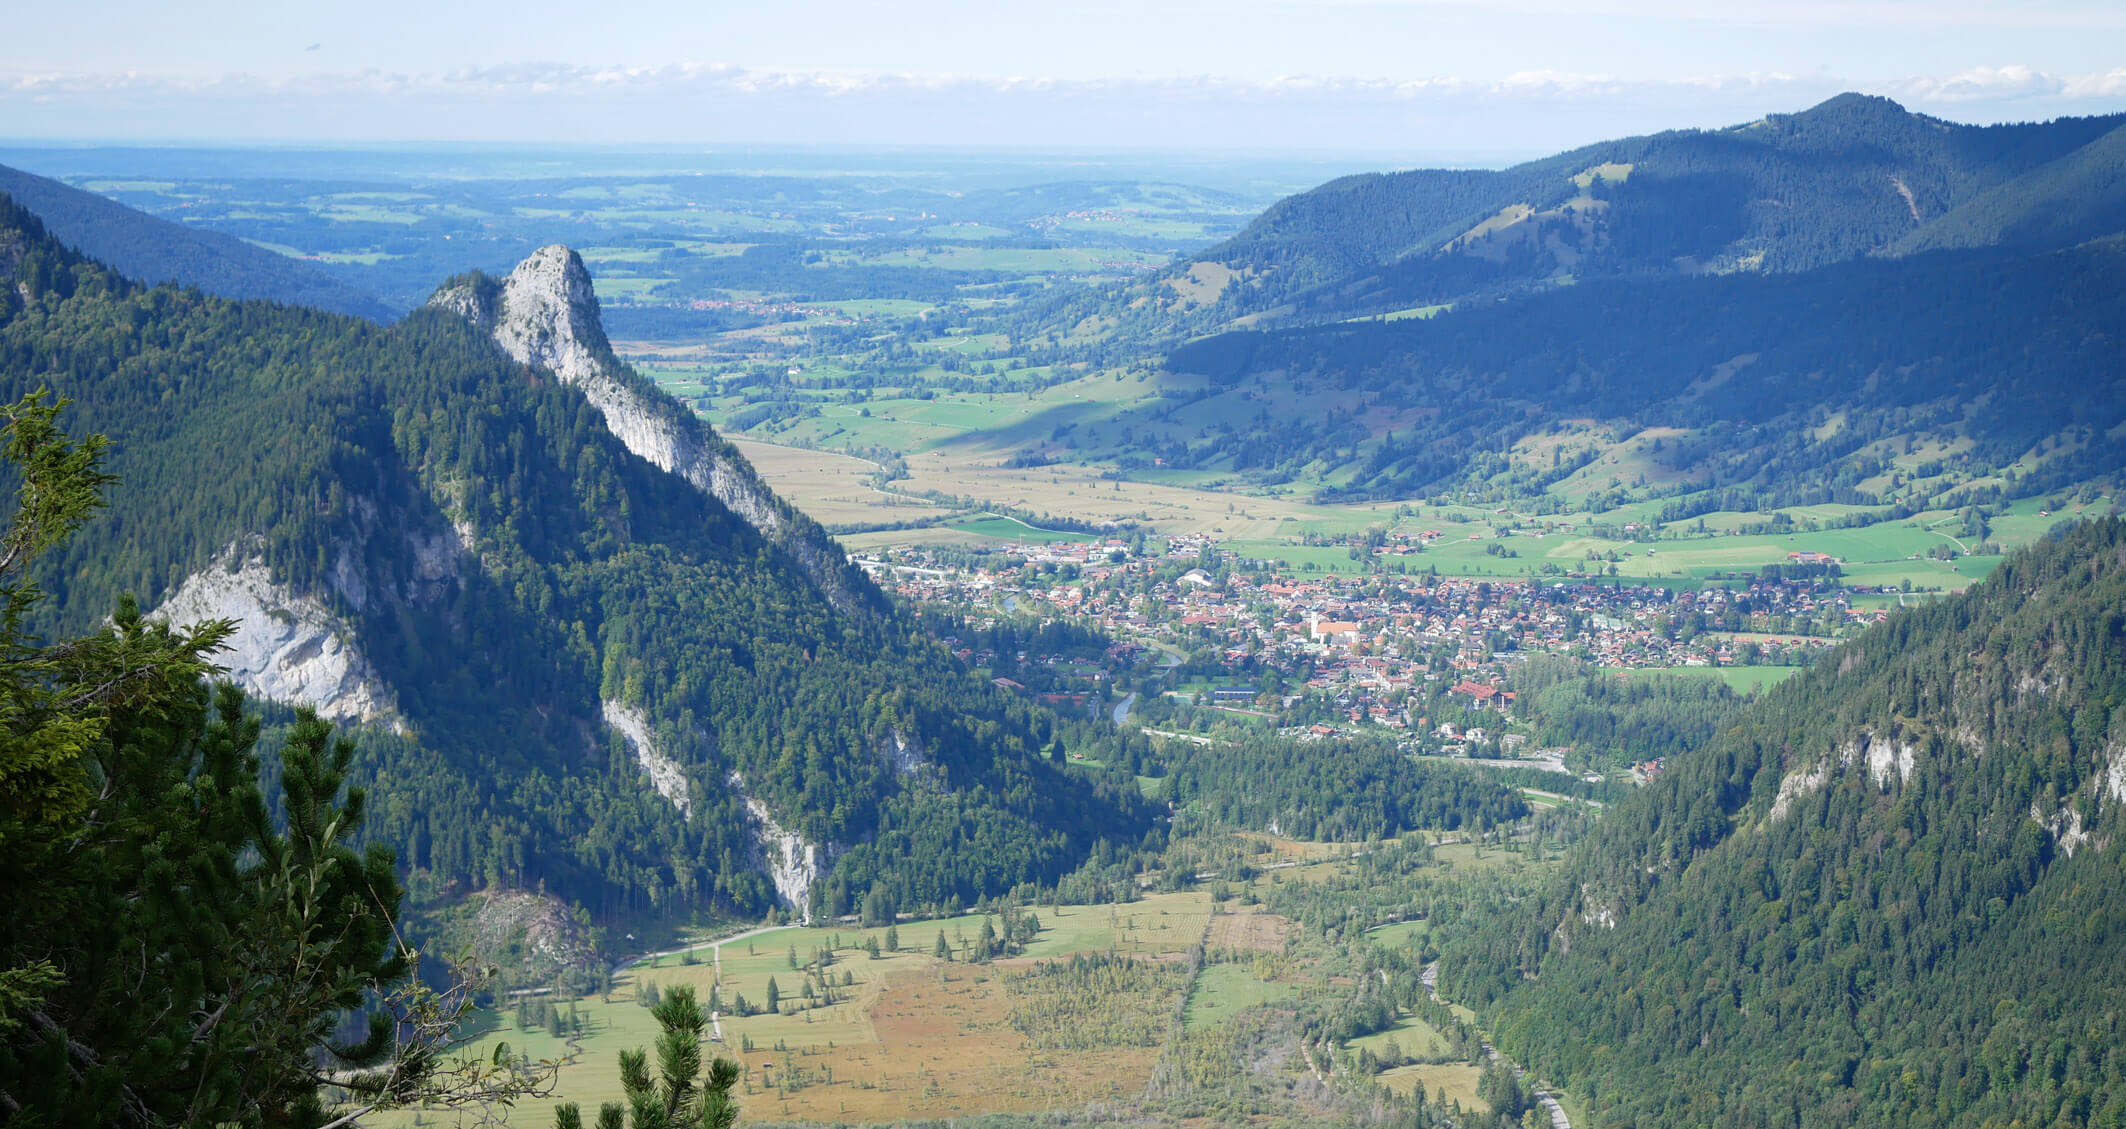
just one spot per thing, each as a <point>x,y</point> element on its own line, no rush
<point>1486,79</point>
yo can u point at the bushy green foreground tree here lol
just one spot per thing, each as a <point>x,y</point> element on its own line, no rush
<point>681,1095</point>
<point>171,954</point>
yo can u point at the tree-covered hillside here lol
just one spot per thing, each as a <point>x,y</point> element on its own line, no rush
<point>513,575</point>
<point>1853,177</point>
<point>1889,895</point>
<point>152,250</point>
<point>1769,389</point>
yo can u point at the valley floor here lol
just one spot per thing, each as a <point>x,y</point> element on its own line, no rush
<point>861,1039</point>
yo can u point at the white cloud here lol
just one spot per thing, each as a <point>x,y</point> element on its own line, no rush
<point>1520,113</point>
<point>2095,16</point>
<point>547,78</point>
<point>1982,84</point>
<point>2111,84</point>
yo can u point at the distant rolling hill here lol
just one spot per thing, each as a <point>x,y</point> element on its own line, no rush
<point>1857,176</point>
<point>1853,305</point>
<point>151,250</point>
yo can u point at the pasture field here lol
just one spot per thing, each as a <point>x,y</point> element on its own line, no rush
<point>894,538</point>
<point>1740,679</point>
<point>957,442</point>
<point>831,487</point>
<point>1003,528</point>
<point>945,460</point>
<point>1248,931</point>
<point>1223,990</point>
<point>1414,1036</point>
<point>1457,1079</point>
<point>859,1039</point>
<point>1060,260</point>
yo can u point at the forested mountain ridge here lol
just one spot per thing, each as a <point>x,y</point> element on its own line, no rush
<point>152,250</point>
<point>586,673</point>
<point>1890,894</point>
<point>546,314</point>
<point>1854,177</point>
<point>1734,392</point>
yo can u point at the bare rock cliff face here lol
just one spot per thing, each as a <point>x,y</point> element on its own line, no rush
<point>546,314</point>
<point>287,648</point>
<point>666,777</point>
<point>792,863</point>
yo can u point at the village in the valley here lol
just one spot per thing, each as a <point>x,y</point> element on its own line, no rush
<point>1429,659</point>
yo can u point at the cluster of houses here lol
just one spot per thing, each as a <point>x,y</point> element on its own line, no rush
<point>1375,648</point>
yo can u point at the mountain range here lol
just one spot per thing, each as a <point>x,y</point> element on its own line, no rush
<point>1855,177</point>
<point>1854,305</point>
<point>581,645</point>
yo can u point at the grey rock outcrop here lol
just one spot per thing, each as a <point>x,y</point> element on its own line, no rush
<point>546,315</point>
<point>286,648</point>
<point>905,753</point>
<point>530,934</point>
<point>791,862</point>
<point>667,779</point>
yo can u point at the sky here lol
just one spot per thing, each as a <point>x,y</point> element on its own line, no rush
<point>1475,82</point>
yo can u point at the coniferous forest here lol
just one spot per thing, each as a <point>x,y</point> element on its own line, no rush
<point>331,447</point>
<point>1113,818</point>
<point>1889,894</point>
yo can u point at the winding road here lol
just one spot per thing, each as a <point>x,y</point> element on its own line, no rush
<point>1558,1120</point>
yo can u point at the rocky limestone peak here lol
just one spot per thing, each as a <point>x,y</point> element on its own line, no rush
<point>546,314</point>
<point>476,297</point>
<point>549,315</point>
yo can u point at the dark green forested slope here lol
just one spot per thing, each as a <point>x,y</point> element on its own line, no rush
<point>344,453</point>
<point>2077,197</point>
<point>1891,894</point>
<point>1991,351</point>
<point>1343,792</point>
<point>1852,177</point>
<point>154,250</point>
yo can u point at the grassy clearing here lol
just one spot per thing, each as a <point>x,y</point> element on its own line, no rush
<point>1224,990</point>
<point>1457,1080</point>
<point>1474,856</point>
<point>1740,679</point>
<point>1399,934</point>
<point>1158,924</point>
<point>1414,1036</point>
